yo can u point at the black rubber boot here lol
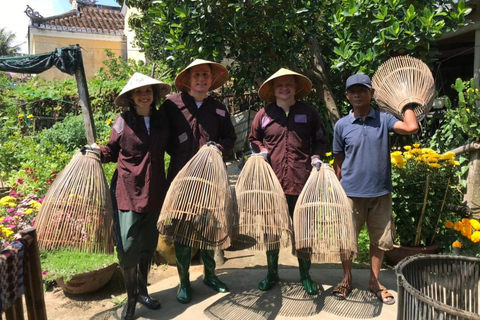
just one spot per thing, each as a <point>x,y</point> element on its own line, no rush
<point>143,297</point>
<point>310,287</point>
<point>272,275</point>
<point>183,256</point>
<point>209,277</point>
<point>130,279</point>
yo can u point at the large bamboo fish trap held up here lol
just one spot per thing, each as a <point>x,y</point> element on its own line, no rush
<point>323,221</point>
<point>262,221</point>
<point>77,212</point>
<point>198,207</point>
<point>404,80</point>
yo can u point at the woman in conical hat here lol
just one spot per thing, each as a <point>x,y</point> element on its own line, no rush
<point>196,119</point>
<point>137,143</point>
<point>291,137</point>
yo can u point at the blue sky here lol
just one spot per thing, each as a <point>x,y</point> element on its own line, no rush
<point>14,19</point>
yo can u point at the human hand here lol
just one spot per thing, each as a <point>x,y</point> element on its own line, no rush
<point>95,148</point>
<point>316,162</point>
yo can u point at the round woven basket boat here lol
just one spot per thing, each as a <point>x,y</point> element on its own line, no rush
<point>77,212</point>
<point>322,221</point>
<point>261,220</point>
<point>401,81</point>
<point>198,208</point>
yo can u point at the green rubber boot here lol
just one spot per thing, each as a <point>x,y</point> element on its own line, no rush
<point>272,275</point>
<point>183,256</point>
<point>310,287</point>
<point>209,277</point>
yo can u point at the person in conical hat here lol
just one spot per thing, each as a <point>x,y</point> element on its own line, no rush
<point>137,143</point>
<point>291,137</point>
<point>196,119</point>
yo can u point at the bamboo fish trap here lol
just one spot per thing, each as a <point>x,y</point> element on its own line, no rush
<point>197,210</point>
<point>262,221</point>
<point>404,80</point>
<point>77,212</point>
<point>322,220</point>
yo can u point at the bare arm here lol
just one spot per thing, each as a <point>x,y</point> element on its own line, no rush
<point>337,164</point>
<point>409,124</point>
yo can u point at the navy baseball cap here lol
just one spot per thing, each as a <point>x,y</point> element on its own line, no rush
<point>362,79</point>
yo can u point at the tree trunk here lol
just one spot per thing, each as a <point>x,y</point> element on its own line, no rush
<point>472,197</point>
<point>321,81</point>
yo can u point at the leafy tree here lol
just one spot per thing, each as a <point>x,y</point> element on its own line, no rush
<point>6,46</point>
<point>325,39</point>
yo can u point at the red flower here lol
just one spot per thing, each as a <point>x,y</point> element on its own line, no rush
<point>49,180</point>
<point>20,181</point>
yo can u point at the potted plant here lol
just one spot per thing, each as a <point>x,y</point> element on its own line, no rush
<point>423,184</point>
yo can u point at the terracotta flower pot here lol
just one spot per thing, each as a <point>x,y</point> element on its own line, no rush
<point>88,281</point>
<point>399,252</point>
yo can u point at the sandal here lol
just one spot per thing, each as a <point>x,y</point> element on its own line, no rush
<point>341,291</point>
<point>383,295</point>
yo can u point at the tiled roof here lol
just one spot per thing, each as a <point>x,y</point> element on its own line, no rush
<point>89,18</point>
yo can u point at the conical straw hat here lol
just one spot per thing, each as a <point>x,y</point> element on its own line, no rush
<point>323,220</point>
<point>77,212</point>
<point>304,85</point>
<point>139,80</point>
<point>197,210</point>
<point>219,75</point>
<point>262,221</point>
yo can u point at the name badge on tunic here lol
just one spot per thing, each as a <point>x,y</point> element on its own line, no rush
<point>301,118</point>
<point>221,112</point>
<point>183,137</point>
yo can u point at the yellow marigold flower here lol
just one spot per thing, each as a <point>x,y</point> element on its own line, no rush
<point>447,156</point>
<point>416,145</point>
<point>407,147</point>
<point>109,121</point>
<point>396,154</point>
<point>434,165</point>
<point>454,162</point>
<point>5,200</point>
<point>12,204</point>
<point>458,226</point>
<point>30,116</point>
<point>430,159</point>
<point>468,109</point>
<point>475,237</point>
<point>475,224</point>
<point>408,156</point>
<point>393,160</point>
<point>28,211</point>
<point>448,224</point>
<point>20,116</point>
<point>427,150</point>
<point>328,154</point>
<point>457,244</point>
<point>331,162</point>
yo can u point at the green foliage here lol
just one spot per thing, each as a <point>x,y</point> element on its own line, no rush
<point>66,264</point>
<point>423,183</point>
<point>6,43</point>
<point>363,247</point>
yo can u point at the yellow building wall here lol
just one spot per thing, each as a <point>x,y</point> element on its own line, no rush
<point>93,53</point>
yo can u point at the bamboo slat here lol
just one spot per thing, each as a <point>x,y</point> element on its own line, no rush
<point>323,221</point>
<point>262,221</point>
<point>77,212</point>
<point>198,207</point>
<point>404,80</point>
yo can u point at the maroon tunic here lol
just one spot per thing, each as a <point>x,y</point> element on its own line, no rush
<point>290,142</point>
<point>192,127</point>
<point>141,184</point>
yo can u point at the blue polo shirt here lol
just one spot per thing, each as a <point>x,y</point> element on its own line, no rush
<point>366,170</point>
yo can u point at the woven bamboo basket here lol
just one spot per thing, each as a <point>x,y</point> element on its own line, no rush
<point>77,212</point>
<point>262,221</point>
<point>198,207</point>
<point>404,80</point>
<point>323,221</point>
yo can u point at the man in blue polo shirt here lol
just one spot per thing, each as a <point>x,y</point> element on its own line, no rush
<point>362,164</point>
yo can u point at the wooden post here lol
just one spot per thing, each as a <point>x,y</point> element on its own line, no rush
<point>85,101</point>
<point>34,296</point>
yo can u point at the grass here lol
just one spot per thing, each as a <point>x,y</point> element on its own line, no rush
<point>66,264</point>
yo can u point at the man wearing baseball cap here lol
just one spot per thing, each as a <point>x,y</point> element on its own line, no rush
<point>362,164</point>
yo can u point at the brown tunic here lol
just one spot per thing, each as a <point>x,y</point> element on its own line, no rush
<point>192,127</point>
<point>141,184</point>
<point>290,142</point>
